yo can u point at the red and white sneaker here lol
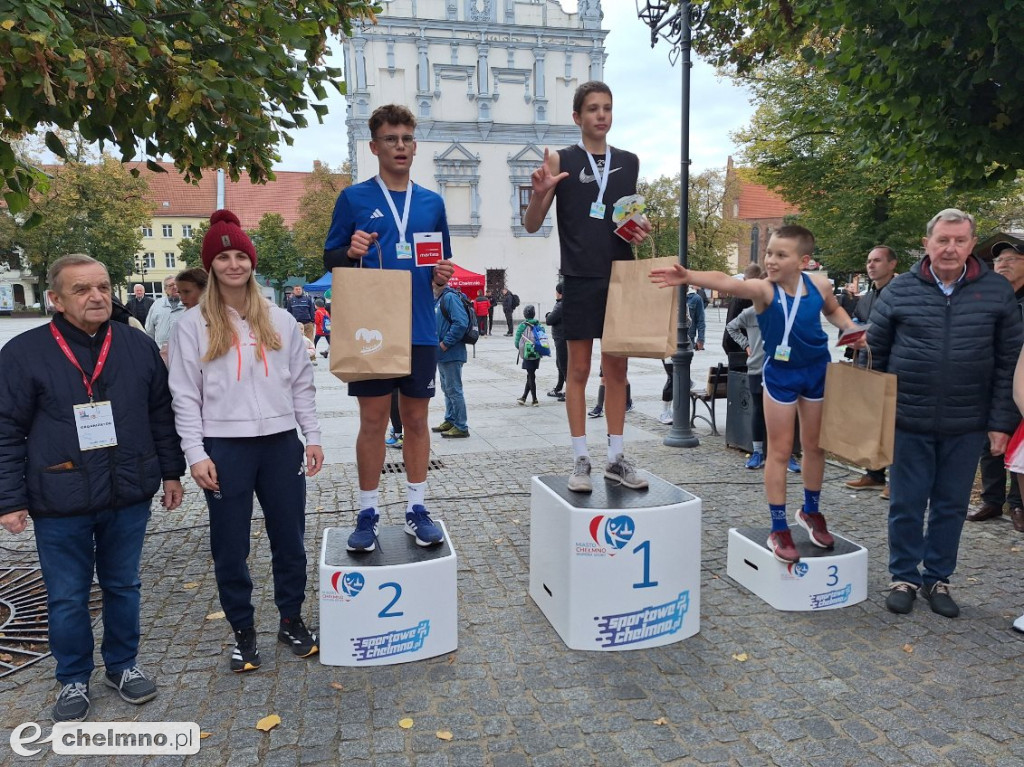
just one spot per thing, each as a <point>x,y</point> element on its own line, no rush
<point>816,529</point>
<point>780,543</point>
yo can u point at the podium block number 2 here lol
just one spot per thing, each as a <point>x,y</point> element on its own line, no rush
<point>646,583</point>
<point>385,613</point>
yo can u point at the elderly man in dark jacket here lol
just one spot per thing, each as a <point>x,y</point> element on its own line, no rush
<point>86,438</point>
<point>951,331</point>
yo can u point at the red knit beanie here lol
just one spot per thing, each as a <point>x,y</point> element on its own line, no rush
<point>225,233</point>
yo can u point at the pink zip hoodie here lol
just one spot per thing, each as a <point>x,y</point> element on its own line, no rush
<point>238,395</point>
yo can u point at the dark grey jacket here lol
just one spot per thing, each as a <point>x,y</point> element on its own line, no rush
<point>954,357</point>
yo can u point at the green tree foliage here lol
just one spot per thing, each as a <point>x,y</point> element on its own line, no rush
<point>277,257</point>
<point>93,208</point>
<point>799,146</point>
<point>711,235</point>
<point>315,211</point>
<point>922,84</point>
<point>217,84</point>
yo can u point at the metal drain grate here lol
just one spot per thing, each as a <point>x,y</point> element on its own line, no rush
<point>398,467</point>
<point>24,622</point>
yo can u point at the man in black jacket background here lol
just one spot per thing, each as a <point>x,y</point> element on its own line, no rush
<point>86,438</point>
<point>950,330</point>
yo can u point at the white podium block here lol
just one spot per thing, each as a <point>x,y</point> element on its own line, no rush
<point>823,579</point>
<point>394,604</point>
<point>616,569</point>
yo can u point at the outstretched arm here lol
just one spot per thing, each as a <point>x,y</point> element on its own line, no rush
<point>758,291</point>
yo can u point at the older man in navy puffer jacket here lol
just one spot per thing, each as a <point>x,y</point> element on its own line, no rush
<point>951,331</point>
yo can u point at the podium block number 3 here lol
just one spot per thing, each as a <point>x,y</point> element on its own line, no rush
<point>386,612</point>
<point>646,583</point>
<point>833,575</point>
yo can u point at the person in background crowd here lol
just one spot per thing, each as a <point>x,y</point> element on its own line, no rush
<point>322,320</point>
<point>554,321</point>
<point>242,383</point>
<point>139,304</point>
<point>481,308</point>
<point>164,315</point>
<point>191,284</point>
<point>303,310</point>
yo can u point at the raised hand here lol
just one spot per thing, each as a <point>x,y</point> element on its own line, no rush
<point>542,179</point>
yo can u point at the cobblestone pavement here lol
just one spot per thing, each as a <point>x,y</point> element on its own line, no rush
<point>853,686</point>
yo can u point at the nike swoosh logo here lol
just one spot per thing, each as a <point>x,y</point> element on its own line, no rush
<point>586,178</point>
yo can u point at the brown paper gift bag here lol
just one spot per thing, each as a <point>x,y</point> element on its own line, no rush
<point>640,317</point>
<point>858,419</point>
<point>371,323</point>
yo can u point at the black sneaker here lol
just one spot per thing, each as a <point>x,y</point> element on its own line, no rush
<point>246,655</point>
<point>293,632</point>
<point>132,685</point>
<point>901,597</point>
<point>72,703</point>
<point>940,600</point>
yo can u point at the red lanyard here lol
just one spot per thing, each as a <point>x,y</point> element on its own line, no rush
<point>104,351</point>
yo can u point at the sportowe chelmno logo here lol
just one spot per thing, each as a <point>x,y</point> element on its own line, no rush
<point>371,340</point>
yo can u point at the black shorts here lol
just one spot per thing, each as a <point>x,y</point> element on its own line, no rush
<point>418,384</point>
<point>583,302</point>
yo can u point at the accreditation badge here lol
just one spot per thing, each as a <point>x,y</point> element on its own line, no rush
<point>403,250</point>
<point>597,210</point>
<point>782,353</point>
<point>94,422</point>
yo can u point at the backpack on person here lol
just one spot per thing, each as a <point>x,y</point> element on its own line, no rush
<point>515,301</point>
<point>541,342</point>
<point>527,343</point>
<point>472,334</point>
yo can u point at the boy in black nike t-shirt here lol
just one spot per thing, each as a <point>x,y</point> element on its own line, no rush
<point>587,180</point>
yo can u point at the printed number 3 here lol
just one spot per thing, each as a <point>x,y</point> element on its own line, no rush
<point>398,594</point>
<point>833,575</point>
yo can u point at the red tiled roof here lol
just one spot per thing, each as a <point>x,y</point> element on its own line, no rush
<point>173,196</point>
<point>757,201</point>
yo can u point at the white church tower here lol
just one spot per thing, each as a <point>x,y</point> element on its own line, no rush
<point>491,84</point>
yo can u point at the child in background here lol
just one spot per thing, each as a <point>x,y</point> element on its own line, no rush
<point>531,357</point>
<point>788,303</point>
<point>310,348</point>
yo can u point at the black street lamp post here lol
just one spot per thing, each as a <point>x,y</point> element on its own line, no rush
<point>672,22</point>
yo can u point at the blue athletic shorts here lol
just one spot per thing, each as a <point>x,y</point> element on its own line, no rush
<point>785,384</point>
<point>418,384</point>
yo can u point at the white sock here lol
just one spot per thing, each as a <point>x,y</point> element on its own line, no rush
<point>417,493</point>
<point>759,447</point>
<point>368,498</point>
<point>615,448</point>
<point>579,447</point>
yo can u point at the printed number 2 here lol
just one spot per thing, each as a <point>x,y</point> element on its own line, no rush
<point>646,583</point>
<point>833,575</point>
<point>398,593</point>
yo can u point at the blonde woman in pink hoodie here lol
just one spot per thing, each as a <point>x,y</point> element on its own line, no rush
<point>242,385</point>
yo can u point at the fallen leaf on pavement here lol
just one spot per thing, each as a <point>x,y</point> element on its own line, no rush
<point>444,735</point>
<point>337,686</point>
<point>215,616</point>
<point>191,585</point>
<point>268,723</point>
<point>405,724</point>
<point>6,657</point>
<point>908,648</point>
<point>498,540</point>
<point>741,657</point>
<point>661,720</point>
<point>204,735</point>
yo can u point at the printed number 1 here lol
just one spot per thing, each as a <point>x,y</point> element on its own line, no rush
<point>646,583</point>
<point>833,575</point>
<point>398,593</point>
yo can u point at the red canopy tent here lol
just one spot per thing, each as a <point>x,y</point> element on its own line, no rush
<point>466,281</point>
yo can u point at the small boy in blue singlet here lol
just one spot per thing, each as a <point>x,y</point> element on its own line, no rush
<point>787,303</point>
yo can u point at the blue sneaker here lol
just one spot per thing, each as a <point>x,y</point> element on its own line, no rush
<point>394,440</point>
<point>364,537</point>
<point>419,524</point>
<point>794,465</point>
<point>756,460</point>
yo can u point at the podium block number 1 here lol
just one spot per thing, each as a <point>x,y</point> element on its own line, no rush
<point>398,594</point>
<point>646,583</point>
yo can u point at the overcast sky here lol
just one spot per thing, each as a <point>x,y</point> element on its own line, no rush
<point>647,93</point>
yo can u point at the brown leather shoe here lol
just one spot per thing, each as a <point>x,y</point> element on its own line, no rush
<point>1017,516</point>
<point>864,483</point>
<point>884,495</point>
<point>983,512</point>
